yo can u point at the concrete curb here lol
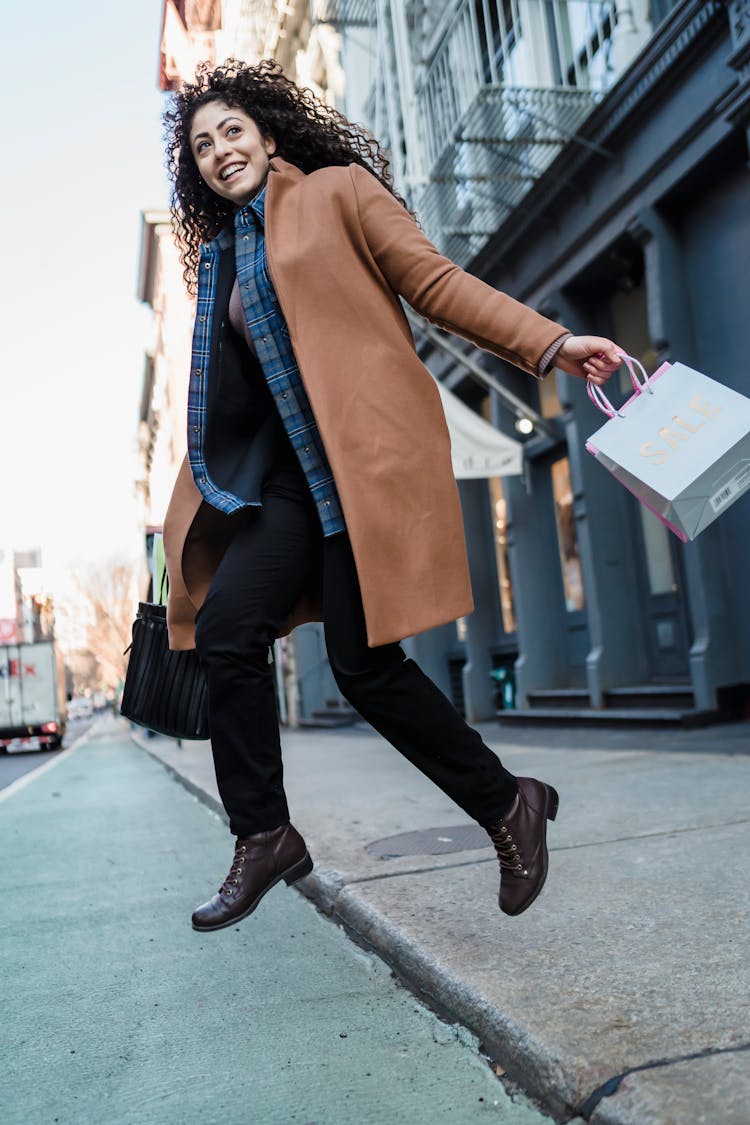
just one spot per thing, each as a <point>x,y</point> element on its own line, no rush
<point>526,1060</point>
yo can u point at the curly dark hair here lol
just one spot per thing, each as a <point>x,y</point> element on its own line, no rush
<point>307,133</point>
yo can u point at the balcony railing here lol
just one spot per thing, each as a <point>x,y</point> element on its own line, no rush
<point>492,43</point>
<point>344,13</point>
<point>509,84</point>
<point>476,115</point>
<point>503,144</point>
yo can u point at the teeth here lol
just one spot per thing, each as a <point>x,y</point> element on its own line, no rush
<point>229,171</point>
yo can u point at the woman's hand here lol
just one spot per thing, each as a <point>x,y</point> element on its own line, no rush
<point>589,357</point>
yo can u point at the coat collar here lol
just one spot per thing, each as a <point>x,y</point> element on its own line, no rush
<point>282,171</point>
<point>282,168</point>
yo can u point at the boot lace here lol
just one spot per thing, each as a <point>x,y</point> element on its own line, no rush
<point>507,851</point>
<point>235,870</point>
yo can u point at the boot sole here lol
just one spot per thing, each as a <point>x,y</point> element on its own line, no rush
<point>297,871</point>
<point>553,804</point>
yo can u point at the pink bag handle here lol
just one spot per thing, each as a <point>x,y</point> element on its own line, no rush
<point>638,387</point>
<point>600,400</point>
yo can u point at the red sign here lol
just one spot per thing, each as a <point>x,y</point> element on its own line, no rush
<point>8,631</point>
<point>15,668</point>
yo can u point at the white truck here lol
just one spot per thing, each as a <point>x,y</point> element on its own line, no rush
<point>32,697</point>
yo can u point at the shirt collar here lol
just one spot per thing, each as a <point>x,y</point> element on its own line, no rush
<point>256,207</point>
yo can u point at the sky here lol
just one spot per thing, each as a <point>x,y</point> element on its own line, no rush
<point>81,157</point>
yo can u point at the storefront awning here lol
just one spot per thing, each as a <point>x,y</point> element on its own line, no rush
<point>477,448</point>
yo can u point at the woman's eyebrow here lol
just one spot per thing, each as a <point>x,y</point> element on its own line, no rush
<point>219,126</point>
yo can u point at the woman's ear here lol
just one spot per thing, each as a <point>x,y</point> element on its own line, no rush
<point>270,146</point>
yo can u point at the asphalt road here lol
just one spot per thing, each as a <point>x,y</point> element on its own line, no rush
<point>13,766</point>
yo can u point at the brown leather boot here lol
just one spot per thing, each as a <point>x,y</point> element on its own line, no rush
<point>260,862</point>
<point>520,840</point>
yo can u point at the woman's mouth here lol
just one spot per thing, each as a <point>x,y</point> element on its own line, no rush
<point>231,171</point>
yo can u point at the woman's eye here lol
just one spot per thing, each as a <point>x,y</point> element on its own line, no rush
<point>201,145</point>
<point>233,129</point>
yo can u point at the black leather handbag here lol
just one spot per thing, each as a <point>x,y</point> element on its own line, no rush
<point>164,691</point>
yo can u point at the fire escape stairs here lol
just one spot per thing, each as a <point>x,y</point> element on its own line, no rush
<point>472,142</point>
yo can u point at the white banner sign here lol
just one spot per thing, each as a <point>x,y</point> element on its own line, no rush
<point>477,448</point>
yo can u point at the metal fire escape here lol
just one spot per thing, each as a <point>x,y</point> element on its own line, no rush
<point>475,99</point>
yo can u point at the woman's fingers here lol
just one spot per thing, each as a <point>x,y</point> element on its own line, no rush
<point>598,368</point>
<point>597,378</point>
<point>591,357</point>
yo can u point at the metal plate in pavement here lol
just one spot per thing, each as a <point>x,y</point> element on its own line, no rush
<point>431,841</point>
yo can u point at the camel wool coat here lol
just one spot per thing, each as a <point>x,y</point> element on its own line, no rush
<point>341,249</point>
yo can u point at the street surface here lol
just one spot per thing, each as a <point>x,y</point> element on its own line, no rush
<point>117,1012</point>
<point>623,995</point>
<point>13,766</point>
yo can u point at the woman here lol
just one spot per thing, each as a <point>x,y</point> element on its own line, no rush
<point>318,482</point>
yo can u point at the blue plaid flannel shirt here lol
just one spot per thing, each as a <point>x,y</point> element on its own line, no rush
<point>267,327</point>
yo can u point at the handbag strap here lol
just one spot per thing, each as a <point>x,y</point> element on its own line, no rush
<point>164,580</point>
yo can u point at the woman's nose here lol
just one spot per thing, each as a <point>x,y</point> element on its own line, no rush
<point>221,148</point>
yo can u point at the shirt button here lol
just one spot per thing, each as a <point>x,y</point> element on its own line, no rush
<point>198,371</point>
<point>246,238</point>
<point>327,503</point>
<point>202,480</point>
<point>207,265</point>
<point>247,286</point>
<point>284,394</point>
<point>196,429</point>
<point>307,449</point>
<point>201,320</point>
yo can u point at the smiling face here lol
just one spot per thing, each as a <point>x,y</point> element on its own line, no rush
<point>230,152</point>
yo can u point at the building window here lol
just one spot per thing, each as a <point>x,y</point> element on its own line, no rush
<point>570,557</point>
<point>582,35</point>
<point>661,575</point>
<point>500,536</point>
<point>549,400</point>
<point>629,310</point>
<point>630,322</point>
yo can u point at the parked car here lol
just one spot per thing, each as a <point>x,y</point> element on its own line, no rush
<point>80,708</point>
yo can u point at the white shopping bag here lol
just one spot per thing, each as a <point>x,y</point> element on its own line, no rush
<point>681,444</point>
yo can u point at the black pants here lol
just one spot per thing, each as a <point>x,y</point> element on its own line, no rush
<point>260,577</point>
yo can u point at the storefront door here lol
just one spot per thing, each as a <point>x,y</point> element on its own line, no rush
<point>664,614</point>
<point>658,552</point>
<point>571,572</point>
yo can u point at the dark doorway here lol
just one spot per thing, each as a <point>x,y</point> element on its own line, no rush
<point>662,607</point>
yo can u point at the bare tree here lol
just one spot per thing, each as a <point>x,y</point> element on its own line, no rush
<point>101,612</point>
<point>82,672</point>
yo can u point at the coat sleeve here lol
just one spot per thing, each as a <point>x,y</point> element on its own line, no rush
<point>441,291</point>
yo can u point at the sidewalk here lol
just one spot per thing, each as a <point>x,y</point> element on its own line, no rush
<point>623,994</point>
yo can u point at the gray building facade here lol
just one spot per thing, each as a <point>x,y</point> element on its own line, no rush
<point>614,196</point>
